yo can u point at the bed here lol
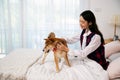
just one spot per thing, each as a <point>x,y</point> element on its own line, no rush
<point>24,64</point>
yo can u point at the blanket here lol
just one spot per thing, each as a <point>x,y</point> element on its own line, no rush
<point>80,70</point>
<point>24,64</point>
<point>16,64</point>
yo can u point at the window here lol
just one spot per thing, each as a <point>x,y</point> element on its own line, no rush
<point>25,23</point>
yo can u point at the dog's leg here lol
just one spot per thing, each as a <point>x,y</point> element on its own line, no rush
<point>43,58</point>
<point>66,60</point>
<point>56,59</point>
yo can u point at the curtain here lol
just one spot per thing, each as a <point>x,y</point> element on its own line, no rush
<point>26,23</point>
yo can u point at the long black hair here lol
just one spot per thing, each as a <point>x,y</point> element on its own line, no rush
<point>90,18</point>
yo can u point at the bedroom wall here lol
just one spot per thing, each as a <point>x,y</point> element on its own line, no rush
<point>104,11</point>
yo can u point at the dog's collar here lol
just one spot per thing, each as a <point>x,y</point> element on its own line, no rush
<point>54,49</point>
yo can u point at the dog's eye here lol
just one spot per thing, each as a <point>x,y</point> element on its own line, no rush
<point>48,51</point>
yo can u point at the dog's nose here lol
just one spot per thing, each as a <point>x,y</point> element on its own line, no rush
<point>43,50</point>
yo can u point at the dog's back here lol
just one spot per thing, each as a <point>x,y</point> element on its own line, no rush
<point>59,40</point>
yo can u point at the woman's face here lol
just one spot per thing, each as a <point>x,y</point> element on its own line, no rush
<point>83,23</point>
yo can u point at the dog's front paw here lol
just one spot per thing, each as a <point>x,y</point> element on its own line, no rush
<point>69,65</point>
<point>57,71</point>
<point>41,62</point>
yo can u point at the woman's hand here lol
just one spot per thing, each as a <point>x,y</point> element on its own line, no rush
<point>60,46</point>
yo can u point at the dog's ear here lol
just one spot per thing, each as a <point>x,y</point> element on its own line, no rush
<point>51,35</point>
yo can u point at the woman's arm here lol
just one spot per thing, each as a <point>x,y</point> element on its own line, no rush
<point>71,40</point>
<point>74,39</point>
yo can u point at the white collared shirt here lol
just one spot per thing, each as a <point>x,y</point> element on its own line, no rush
<point>85,50</point>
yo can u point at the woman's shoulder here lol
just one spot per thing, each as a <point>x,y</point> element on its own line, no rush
<point>97,37</point>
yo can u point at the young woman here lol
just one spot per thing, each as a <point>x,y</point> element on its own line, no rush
<point>91,40</point>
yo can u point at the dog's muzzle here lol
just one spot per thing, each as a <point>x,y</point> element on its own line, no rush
<point>46,51</point>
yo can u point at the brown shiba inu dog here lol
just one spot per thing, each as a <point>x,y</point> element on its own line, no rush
<point>51,44</point>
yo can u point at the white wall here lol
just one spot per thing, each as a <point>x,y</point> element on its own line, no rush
<point>104,11</point>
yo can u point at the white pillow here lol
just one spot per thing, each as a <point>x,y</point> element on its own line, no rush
<point>114,56</point>
<point>114,69</point>
<point>111,48</point>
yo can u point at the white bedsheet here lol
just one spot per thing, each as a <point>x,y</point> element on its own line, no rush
<point>15,65</point>
<point>80,70</point>
<point>24,64</point>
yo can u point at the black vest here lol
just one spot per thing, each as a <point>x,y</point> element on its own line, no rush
<point>99,54</point>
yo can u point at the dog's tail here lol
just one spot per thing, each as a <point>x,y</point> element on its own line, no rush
<point>51,35</point>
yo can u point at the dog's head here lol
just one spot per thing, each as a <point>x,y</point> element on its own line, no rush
<point>49,43</point>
